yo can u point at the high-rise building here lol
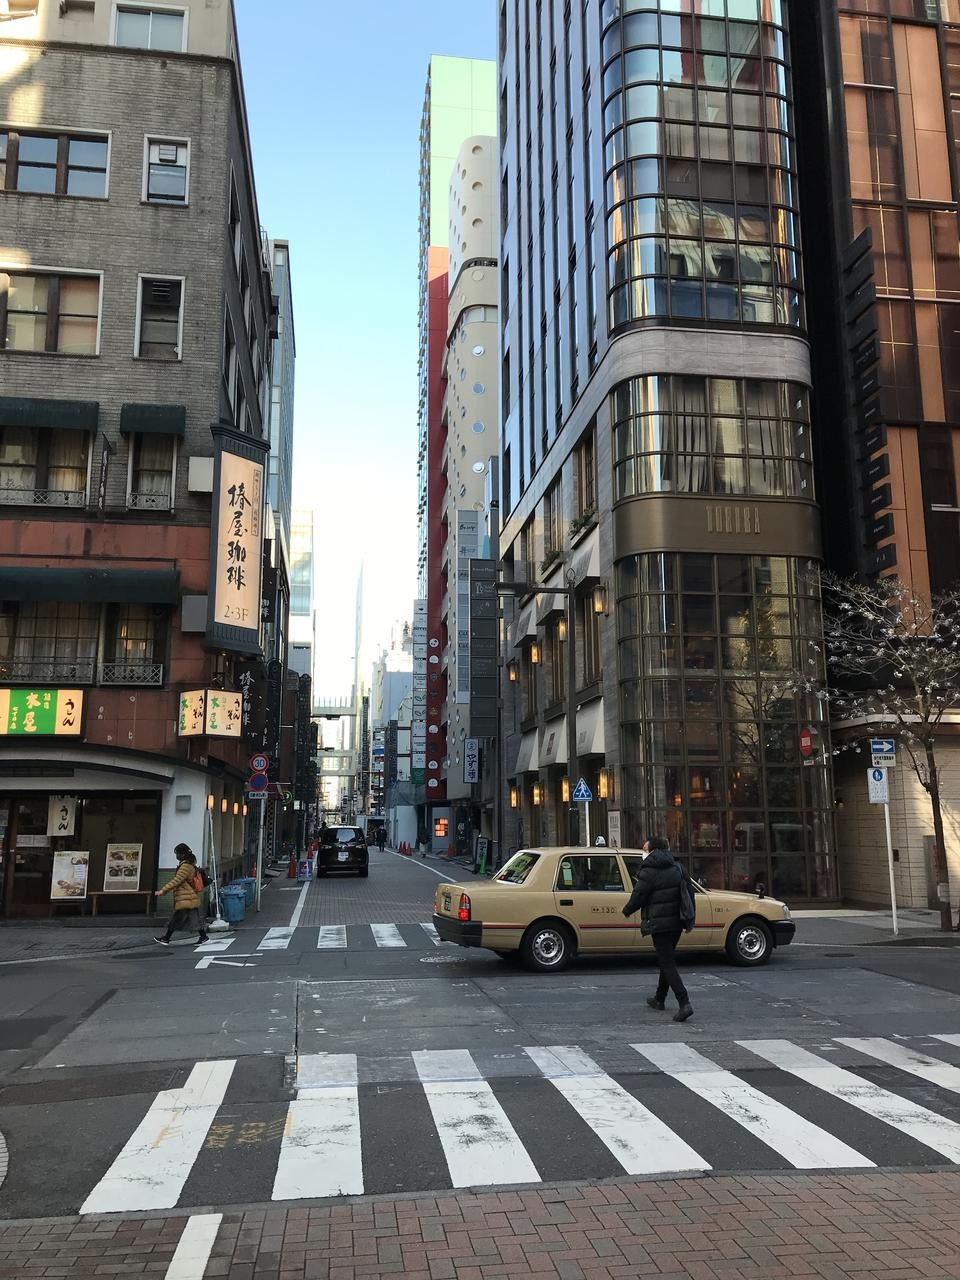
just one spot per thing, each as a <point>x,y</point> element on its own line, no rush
<point>282,380</point>
<point>878,91</point>
<point>459,103</point>
<point>656,438</point>
<point>135,332</point>
<point>303,619</point>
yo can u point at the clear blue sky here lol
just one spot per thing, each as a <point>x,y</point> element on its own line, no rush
<point>334,94</point>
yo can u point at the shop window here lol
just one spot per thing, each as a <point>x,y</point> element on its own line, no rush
<point>43,468</point>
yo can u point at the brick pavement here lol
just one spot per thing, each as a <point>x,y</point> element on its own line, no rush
<point>868,1226</point>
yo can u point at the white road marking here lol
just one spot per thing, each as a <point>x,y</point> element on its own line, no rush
<point>150,1171</point>
<point>196,1244</point>
<point>480,1144</point>
<point>215,944</point>
<point>387,935</point>
<point>333,937</point>
<point>917,1064</point>
<point>277,939</point>
<point>948,1039</point>
<point>414,861</point>
<point>320,1154</point>
<point>431,933</point>
<point>638,1139</point>
<point>238,962</point>
<point>804,1144</point>
<point>915,1121</point>
<point>300,904</point>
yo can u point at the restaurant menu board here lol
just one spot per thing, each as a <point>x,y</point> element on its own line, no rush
<point>122,871</point>
<point>69,881</point>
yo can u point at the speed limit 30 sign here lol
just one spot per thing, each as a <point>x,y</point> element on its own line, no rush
<point>259,763</point>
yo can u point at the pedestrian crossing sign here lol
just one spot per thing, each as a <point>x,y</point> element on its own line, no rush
<point>582,794</point>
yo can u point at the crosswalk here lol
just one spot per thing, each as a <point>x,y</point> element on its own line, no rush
<point>449,1121</point>
<point>388,936</point>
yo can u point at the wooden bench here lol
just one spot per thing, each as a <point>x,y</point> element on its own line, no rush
<point>94,898</point>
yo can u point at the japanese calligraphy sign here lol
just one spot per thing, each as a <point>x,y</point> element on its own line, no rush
<point>212,713</point>
<point>41,713</point>
<point>236,542</point>
<point>61,815</point>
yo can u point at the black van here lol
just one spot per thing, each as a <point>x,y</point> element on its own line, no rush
<point>342,849</point>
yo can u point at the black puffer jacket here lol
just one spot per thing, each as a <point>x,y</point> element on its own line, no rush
<point>656,894</point>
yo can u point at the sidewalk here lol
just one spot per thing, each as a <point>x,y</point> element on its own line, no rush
<point>848,927</point>
<point>873,1226</point>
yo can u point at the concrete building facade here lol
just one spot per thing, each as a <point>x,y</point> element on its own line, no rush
<point>656,440</point>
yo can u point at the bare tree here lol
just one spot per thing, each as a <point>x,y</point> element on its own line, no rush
<point>893,658</point>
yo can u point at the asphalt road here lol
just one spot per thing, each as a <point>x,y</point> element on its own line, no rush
<point>333,1046</point>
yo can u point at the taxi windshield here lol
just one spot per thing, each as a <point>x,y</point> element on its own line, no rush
<point>518,868</point>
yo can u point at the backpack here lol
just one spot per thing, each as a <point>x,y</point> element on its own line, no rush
<point>200,880</point>
<point>688,908</point>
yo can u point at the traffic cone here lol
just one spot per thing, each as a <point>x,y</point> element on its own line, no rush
<point>292,869</point>
<point>406,849</point>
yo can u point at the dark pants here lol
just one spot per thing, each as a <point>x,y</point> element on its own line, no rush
<point>665,945</point>
<point>187,919</point>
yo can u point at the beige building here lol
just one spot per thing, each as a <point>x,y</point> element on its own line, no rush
<point>470,411</point>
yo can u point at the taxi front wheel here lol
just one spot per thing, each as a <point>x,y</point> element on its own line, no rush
<point>547,947</point>
<point>749,942</point>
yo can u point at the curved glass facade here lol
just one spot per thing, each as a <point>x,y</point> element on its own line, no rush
<point>710,742</point>
<point>720,436</point>
<point>700,163</point>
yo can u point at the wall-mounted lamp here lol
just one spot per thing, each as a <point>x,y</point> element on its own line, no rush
<point>537,793</point>
<point>535,654</point>
<point>236,807</point>
<point>210,801</point>
<point>565,790</point>
<point>512,672</point>
<point>223,805</point>
<point>600,598</point>
<point>605,784</point>
<point>561,629</point>
<point>514,798</point>
<point>244,810</point>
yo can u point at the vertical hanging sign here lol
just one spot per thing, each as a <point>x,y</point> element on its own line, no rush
<point>236,541</point>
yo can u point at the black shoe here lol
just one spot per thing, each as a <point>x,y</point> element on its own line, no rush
<point>656,1003</point>
<point>164,942</point>
<point>683,1013</point>
<point>203,938</point>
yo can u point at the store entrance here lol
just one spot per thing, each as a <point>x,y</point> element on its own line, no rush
<point>27,858</point>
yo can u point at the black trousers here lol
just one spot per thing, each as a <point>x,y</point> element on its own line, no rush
<point>665,945</point>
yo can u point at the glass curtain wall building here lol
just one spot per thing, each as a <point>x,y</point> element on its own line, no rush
<point>656,358</point>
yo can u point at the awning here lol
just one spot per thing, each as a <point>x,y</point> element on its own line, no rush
<point>550,606</point>
<point>528,761</point>
<point>586,562</point>
<point>553,746</point>
<point>590,735</point>
<point>525,627</point>
<point>95,586</point>
<point>161,419</point>
<point>72,415</point>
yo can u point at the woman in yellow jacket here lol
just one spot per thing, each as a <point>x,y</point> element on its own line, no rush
<point>186,900</point>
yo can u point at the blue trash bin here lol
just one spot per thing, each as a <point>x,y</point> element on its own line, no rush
<point>233,903</point>
<point>249,887</point>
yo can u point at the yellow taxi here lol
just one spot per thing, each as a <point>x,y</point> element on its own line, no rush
<point>549,905</point>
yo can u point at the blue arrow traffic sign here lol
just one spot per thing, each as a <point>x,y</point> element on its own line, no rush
<point>582,794</point>
<point>883,746</point>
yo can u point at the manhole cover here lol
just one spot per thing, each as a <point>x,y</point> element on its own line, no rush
<point>443,959</point>
<point>838,955</point>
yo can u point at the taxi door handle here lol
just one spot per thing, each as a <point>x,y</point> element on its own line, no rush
<point>566,902</point>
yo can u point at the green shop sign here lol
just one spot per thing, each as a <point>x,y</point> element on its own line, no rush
<point>41,713</point>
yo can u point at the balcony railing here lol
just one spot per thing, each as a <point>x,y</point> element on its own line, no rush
<point>40,671</point>
<point>141,673</point>
<point>43,497</point>
<point>150,502</point>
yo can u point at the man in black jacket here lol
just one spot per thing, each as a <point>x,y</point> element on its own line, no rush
<point>656,894</point>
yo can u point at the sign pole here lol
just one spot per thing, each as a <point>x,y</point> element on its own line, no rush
<point>263,807</point>
<point>586,810</point>
<point>893,886</point>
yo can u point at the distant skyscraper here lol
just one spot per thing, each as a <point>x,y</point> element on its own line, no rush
<point>283,369</point>
<point>302,614</point>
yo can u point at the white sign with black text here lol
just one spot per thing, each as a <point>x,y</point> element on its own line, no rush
<point>471,760</point>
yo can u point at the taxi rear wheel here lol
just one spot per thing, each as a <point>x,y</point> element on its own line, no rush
<point>547,947</point>
<point>749,942</point>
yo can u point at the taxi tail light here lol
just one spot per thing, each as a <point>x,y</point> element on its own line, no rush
<point>463,911</point>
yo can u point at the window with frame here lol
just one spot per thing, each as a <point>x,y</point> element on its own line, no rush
<point>152,462</point>
<point>230,366</point>
<point>590,873</point>
<point>590,634</point>
<point>552,509</point>
<point>135,638</point>
<point>161,311</point>
<point>43,468</point>
<point>143,27</point>
<point>166,177</point>
<point>50,313</point>
<point>51,640</point>
<point>585,470</point>
<point>55,164</point>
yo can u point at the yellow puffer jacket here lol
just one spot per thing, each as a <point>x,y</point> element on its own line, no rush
<point>185,897</point>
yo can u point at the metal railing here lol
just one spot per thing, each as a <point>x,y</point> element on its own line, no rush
<point>53,671</point>
<point>43,497</point>
<point>141,673</point>
<point>150,502</point>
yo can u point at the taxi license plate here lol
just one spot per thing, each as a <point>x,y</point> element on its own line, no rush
<point>446,902</point>
<point>343,856</point>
